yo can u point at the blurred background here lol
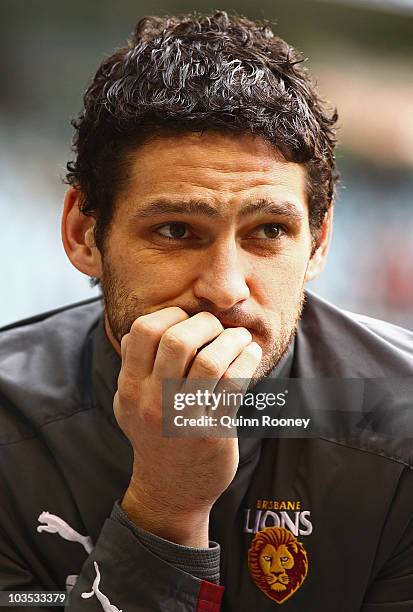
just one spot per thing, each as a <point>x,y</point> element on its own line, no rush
<point>361,52</point>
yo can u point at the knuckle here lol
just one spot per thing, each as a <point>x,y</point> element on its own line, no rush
<point>172,343</point>
<point>143,327</point>
<point>231,382</point>
<point>117,409</point>
<point>150,419</point>
<point>208,364</point>
<point>237,372</point>
<point>126,390</point>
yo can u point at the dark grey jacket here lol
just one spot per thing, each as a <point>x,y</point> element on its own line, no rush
<point>341,506</point>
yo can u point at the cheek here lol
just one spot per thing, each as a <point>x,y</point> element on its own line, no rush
<point>155,276</point>
<point>279,282</point>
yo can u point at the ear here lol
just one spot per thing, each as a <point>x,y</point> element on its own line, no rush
<point>319,257</point>
<point>78,236</point>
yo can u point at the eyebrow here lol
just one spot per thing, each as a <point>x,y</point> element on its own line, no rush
<point>264,206</point>
<point>166,207</point>
<point>200,208</point>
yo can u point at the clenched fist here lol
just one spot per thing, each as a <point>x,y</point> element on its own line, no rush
<point>175,481</point>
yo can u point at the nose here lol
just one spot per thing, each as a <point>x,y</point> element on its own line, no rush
<point>222,280</point>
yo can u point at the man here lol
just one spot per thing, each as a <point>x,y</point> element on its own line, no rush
<point>201,199</point>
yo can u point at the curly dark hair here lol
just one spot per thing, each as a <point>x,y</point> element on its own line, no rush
<point>196,73</point>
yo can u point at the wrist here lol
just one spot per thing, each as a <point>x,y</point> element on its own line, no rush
<point>187,528</point>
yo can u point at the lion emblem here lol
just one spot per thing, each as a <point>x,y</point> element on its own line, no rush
<point>277,562</point>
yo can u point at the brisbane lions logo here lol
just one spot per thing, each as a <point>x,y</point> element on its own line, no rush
<point>277,562</point>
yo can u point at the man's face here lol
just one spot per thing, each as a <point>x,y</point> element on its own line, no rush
<point>211,222</point>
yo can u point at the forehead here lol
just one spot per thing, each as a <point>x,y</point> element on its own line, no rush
<point>218,168</point>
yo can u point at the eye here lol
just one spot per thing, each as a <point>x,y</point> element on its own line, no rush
<point>173,231</point>
<point>284,559</point>
<point>267,558</point>
<point>269,231</point>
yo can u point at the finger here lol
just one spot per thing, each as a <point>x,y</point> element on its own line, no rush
<point>244,366</point>
<point>180,343</point>
<point>214,360</point>
<point>237,377</point>
<point>139,346</point>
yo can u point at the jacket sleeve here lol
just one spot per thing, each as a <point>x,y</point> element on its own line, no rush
<point>391,589</point>
<point>119,574</point>
<point>123,574</point>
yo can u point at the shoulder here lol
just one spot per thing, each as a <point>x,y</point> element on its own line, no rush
<point>41,364</point>
<point>335,342</point>
<point>370,363</point>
